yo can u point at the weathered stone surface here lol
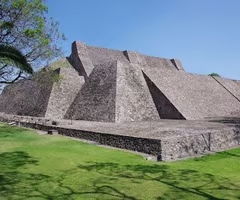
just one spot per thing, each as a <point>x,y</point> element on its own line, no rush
<point>177,63</point>
<point>64,91</point>
<point>80,59</point>
<point>194,96</point>
<point>166,139</point>
<point>103,55</point>
<point>123,86</point>
<point>165,108</point>
<point>28,97</point>
<point>159,63</point>
<point>232,86</point>
<point>200,143</point>
<point>115,86</point>
<point>135,57</point>
<point>133,99</point>
<point>115,93</point>
<point>96,100</point>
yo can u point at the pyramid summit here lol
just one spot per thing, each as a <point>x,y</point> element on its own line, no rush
<point>99,84</point>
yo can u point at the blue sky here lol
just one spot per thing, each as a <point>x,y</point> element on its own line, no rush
<point>203,34</point>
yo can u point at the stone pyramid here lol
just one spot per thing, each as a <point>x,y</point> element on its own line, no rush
<point>98,84</point>
<point>115,91</point>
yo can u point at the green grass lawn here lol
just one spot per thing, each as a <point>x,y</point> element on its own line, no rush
<point>34,166</point>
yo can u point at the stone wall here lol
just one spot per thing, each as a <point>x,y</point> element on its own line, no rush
<point>185,146</point>
<point>177,146</point>
<point>103,55</point>
<point>135,57</point>
<point>145,145</point>
<point>159,63</point>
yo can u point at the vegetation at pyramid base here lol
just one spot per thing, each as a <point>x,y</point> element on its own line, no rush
<point>26,26</point>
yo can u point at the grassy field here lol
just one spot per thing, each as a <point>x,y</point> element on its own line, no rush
<point>38,167</point>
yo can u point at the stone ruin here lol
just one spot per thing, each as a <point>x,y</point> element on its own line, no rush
<point>104,85</point>
<point>98,84</point>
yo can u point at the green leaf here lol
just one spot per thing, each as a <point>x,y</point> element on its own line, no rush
<point>13,56</point>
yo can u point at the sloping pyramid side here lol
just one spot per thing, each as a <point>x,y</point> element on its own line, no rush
<point>64,90</point>
<point>231,85</point>
<point>133,98</point>
<point>194,96</point>
<point>96,99</point>
<point>28,97</point>
<point>165,108</point>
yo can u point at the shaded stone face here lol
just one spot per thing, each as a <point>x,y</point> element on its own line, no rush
<point>165,108</point>
<point>28,97</point>
<point>101,84</point>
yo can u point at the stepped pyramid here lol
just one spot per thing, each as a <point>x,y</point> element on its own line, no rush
<point>98,84</point>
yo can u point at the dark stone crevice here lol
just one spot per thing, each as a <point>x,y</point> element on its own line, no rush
<point>226,88</point>
<point>165,108</point>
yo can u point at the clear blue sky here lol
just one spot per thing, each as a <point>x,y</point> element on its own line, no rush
<point>203,34</point>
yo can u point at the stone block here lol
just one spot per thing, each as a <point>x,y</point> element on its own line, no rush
<point>103,55</point>
<point>52,132</point>
<point>80,59</point>
<point>177,63</point>
<point>159,63</point>
<point>133,99</point>
<point>135,57</point>
<point>96,99</point>
<point>64,91</point>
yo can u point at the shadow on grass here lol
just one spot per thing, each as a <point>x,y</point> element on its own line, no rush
<point>111,182</point>
<point>103,181</point>
<point>99,188</point>
<point>15,184</point>
<point>14,160</point>
<point>216,156</point>
<point>12,181</point>
<point>7,131</point>
<point>183,184</point>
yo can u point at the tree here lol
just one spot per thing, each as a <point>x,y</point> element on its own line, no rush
<point>24,24</point>
<point>12,56</point>
<point>214,74</point>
